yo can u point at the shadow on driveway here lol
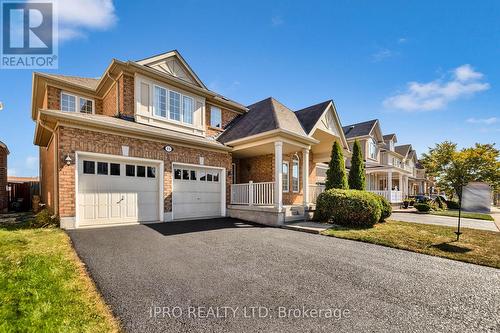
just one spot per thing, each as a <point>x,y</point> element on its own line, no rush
<point>185,227</point>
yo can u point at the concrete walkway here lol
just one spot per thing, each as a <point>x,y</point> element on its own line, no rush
<point>443,220</point>
<point>310,227</point>
<point>495,213</point>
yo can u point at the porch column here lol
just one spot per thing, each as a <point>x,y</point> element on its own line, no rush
<point>305,176</point>
<point>401,187</point>
<point>278,175</point>
<point>389,180</point>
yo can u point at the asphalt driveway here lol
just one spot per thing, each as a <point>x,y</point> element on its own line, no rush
<point>223,275</point>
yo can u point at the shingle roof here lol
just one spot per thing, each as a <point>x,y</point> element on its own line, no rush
<point>4,146</point>
<point>89,83</point>
<point>388,137</point>
<point>359,129</point>
<point>309,116</point>
<point>263,116</point>
<point>402,149</point>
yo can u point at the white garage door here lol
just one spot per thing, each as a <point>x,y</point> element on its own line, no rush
<point>117,191</point>
<point>197,192</point>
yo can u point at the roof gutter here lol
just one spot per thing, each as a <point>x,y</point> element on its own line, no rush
<point>274,132</point>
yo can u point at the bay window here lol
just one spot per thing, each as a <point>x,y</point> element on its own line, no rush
<point>174,105</point>
<point>160,102</point>
<point>187,109</point>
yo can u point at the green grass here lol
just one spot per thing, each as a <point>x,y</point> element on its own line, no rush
<point>454,213</point>
<point>44,286</point>
<point>475,246</point>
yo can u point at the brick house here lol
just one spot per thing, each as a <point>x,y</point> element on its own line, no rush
<point>148,142</point>
<point>4,195</point>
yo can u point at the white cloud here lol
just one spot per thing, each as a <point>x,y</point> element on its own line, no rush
<point>277,20</point>
<point>382,54</point>
<point>487,121</point>
<point>31,162</point>
<point>464,82</point>
<point>466,73</point>
<point>402,40</point>
<point>78,16</point>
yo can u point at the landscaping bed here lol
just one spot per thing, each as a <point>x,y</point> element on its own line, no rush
<point>475,246</point>
<point>45,287</point>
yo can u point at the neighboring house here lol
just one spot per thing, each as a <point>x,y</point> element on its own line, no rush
<point>147,142</point>
<point>391,170</point>
<point>4,195</point>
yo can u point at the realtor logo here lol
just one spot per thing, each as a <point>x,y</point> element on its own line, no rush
<point>28,35</point>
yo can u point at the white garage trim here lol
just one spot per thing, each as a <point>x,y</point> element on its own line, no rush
<point>82,154</point>
<point>222,182</point>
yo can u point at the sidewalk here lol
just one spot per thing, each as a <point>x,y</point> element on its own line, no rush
<point>495,213</point>
<point>310,227</point>
<point>445,220</point>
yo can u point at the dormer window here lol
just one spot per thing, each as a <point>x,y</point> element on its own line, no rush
<point>391,145</point>
<point>70,103</point>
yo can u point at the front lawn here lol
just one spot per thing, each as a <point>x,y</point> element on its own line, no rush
<point>475,246</point>
<point>44,287</point>
<point>454,213</point>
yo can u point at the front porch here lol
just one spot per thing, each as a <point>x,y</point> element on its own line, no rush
<point>389,182</point>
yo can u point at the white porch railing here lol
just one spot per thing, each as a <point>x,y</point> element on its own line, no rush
<point>259,194</point>
<point>315,191</point>
<point>391,196</point>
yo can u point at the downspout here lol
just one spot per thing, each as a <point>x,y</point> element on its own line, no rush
<point>56,166</point>
<point>117,94</point>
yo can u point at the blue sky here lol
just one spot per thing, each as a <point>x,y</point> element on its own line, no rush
<point>427,69</point>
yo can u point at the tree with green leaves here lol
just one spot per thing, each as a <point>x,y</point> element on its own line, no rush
<point>454,168</point>
<point>357,179</point>
<point>335,175</point>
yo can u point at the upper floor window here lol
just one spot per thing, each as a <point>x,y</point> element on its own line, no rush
<point>160,102</point>
<point>69,103</point>
<point>175,105</point>
<point>86,105</point>
<point>373,149</point>
<point>187,109</point>
<point>295,174</point>
<point>180,107</point>
<point>215,117</point>
<point>391,145</point>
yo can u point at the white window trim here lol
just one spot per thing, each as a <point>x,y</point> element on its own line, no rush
<point>371,143</point>
<point>220,111</point>
<point>287,177</point>
<point>77,102</point>
<point>167,105</point>
<point>296,159</point>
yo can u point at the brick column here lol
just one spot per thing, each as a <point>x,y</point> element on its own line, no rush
<point>278,175</point>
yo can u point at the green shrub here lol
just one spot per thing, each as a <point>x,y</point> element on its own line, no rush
<point>385,206</point>
<point>440,203</point>
<point>348,207</point>
<point>357,180</point>
<point>452,204</point>
<point>422,207</point>
<point>335,175</point>
<point>45,219</point>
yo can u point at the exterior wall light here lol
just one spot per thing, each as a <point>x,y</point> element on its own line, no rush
<point>68,159</point>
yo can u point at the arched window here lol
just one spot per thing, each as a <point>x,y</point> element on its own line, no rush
<point>295,173</point>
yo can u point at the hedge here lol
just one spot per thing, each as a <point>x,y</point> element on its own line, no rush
<point>422,207</point>
<point>385,206</point>
<point>348,207</point>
